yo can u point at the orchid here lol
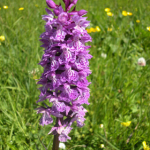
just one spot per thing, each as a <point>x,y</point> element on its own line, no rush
<point>66,66</point>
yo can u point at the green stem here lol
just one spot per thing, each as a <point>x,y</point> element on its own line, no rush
<point>108,142</point>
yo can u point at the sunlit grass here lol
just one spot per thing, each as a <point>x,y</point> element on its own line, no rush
<point>118,115</point>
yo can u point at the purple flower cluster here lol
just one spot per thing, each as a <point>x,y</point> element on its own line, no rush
<point>66,67</point>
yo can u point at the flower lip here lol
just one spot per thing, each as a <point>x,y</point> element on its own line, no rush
<point>63,17</point>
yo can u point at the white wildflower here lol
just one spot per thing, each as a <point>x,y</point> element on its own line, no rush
<point>62,146</point>
<point>102,146</point>
<point>101,125</point>
<point>103,55</point>
<point>141,62</point>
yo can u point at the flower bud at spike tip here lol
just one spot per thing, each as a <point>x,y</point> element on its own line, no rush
<point>82,12</point>
<point>66,67</point>
<point>51,4</point>
<point>72,3</point>
<point>67,2</point>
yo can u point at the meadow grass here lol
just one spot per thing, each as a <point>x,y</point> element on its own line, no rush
<point>120,89</point>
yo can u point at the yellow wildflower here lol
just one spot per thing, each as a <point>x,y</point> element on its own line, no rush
<point>107,9</point>
<point>2,38</point>
<point>126,124</point>
<point>35,77</point>
<point>0,8</point>
<point>109,14</point>
<point>145,147</point>
<point>97,29</point>
<point>5,7</point>
<point>138,21</point>
<point>88,30</point>
<point>92,30</point>
<point>148,28</point>
<point>109,29</point>
<point>21,8</point>
<point>36,5</point>
<point>124,13</point>
<point>129,13</point>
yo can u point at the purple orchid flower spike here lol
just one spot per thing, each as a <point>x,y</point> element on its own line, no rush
<point>66,67</point>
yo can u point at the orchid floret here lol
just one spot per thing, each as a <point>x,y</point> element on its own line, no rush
<point>66,66</point>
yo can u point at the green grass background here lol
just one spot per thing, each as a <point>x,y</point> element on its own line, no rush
<point>120,89</point>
